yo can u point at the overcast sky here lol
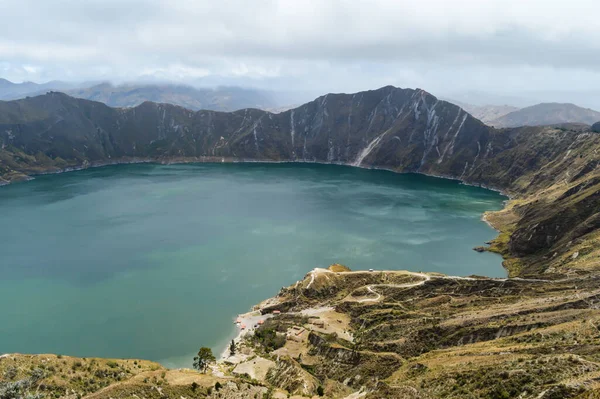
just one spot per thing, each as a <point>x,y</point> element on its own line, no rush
<point>508,47</point>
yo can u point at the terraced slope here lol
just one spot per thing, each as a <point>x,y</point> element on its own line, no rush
<point>415,335</point>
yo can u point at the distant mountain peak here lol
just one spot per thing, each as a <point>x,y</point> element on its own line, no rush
<point>547,114</point>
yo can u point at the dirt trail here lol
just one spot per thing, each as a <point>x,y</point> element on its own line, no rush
<point>425,278</point>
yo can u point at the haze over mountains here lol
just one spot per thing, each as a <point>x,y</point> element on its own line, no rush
<point>231,98</point>
<point>222,98</point>
<point>14,91</point>
<point>217,99</point>
<point>547,114</point>
<point>485,113</point>
<point>536,115</point>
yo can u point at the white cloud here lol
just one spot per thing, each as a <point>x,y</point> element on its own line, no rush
<point>339,45</point>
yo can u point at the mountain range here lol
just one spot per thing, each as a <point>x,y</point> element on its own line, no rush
<point>223,98</point>
<point>234,98</point>
<point>536,115</point>
<point>14,91</point>
<point>215,99</point>
<point>546,114</point>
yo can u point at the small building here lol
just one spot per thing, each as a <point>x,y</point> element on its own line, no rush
<point>277,312</point>
<point>318,323</point>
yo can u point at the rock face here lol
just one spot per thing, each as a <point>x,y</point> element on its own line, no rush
<point>596,127</point>
<point>287,374</point>
<point>408,130</point>
<point>402,130</point>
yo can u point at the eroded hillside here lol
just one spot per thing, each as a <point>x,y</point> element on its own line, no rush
<point>395,334</point>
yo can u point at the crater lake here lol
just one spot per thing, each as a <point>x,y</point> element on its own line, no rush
<point>153,261</point>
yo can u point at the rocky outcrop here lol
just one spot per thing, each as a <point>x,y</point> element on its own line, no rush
<point>354,367</point>
<point>336,353</point>
<point>287,374</point>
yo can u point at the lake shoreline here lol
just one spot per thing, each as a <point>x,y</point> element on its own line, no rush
<point>293,203</point>
<point>221,160</point>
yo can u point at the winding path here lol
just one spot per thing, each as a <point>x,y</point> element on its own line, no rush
<point>425,278</point>
<point>370,289</point>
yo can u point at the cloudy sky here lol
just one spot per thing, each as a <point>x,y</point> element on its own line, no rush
<point>507,48</point>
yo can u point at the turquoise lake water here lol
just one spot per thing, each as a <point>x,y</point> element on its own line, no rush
<point>154,261</point>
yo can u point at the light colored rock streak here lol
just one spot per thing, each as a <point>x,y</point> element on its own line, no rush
<point>304,150</point>
<point>476,157</point>
<point>255,139</point>
<point>429,136</point>
<point>292,128</point>
<point>367,150</point>
<point>450,146</point>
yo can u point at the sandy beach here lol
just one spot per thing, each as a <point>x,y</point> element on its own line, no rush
<point>250,320</point>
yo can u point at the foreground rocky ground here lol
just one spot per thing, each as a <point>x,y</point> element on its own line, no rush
<point>387,334</point>
<point>52,376</point>
<point>379,334</point>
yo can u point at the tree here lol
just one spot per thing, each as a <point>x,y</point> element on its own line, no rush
<point>203,359</point>
<point>232,348</point>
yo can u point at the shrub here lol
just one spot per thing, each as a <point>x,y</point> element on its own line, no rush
<point>10,373</point>
<point>112,364</point>
<point>269,338</point>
